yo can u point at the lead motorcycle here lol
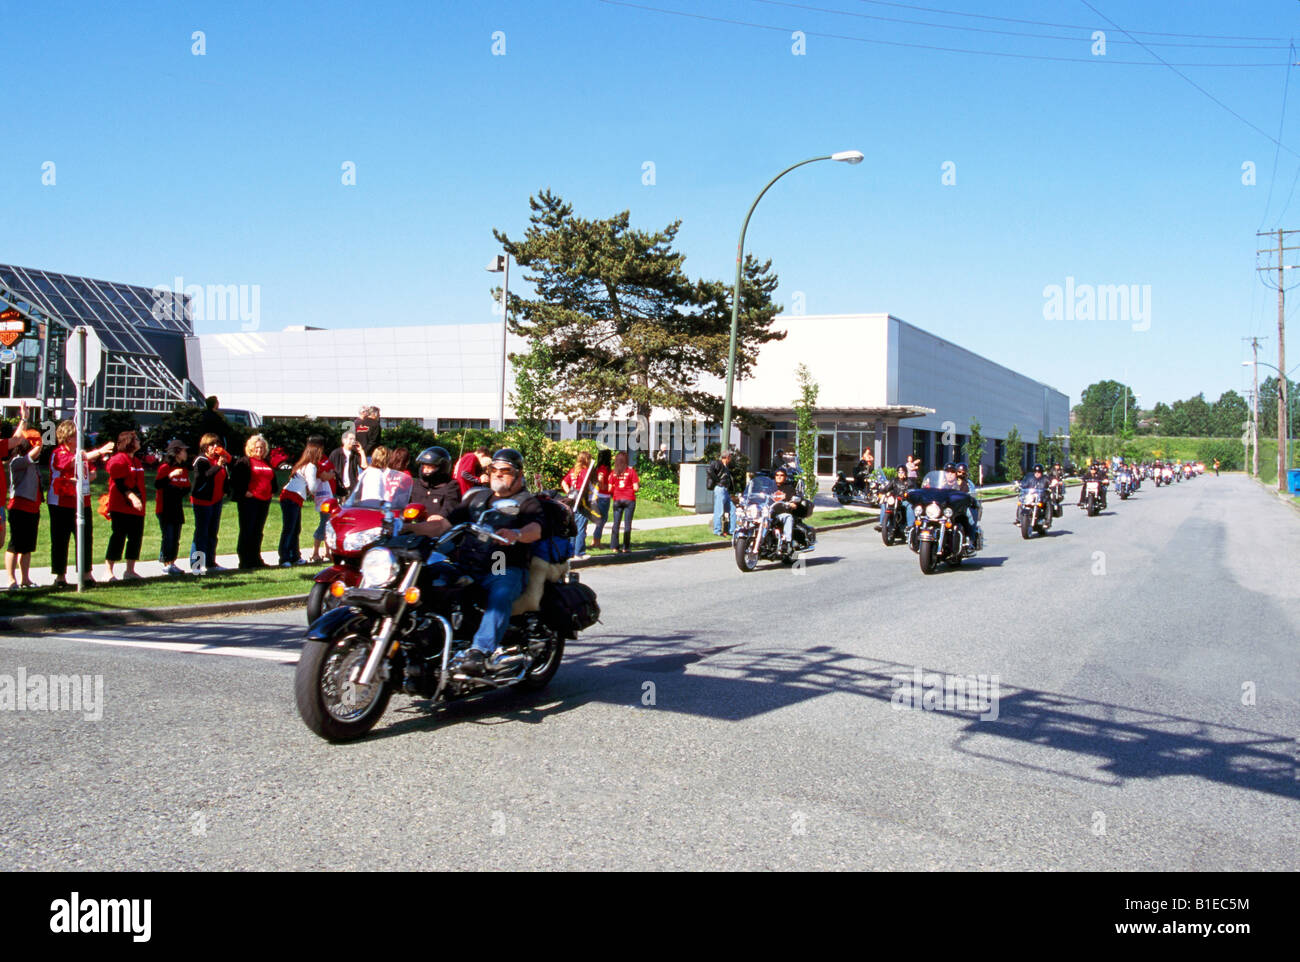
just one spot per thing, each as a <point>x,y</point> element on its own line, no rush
<point>417,606</point>
<point>937,534</point>
<point>757,533</point>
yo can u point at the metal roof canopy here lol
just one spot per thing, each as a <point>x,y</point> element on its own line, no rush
<point>116,312</point>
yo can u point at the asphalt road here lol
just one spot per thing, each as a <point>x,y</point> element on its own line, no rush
<point>1146,718</point>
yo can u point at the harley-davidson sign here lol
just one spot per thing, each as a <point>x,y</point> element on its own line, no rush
<point>12,326</point>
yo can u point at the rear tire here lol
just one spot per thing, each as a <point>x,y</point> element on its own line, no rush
<point>316,679</point>
<point>540,676</point>
<point>926,555</point>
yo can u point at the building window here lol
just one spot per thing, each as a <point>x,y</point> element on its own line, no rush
<point>466,424</point>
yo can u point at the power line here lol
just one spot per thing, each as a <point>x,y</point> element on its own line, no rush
<point>1006,33</point>
<point>1044,23</point>
<point>921,46</point>
<point>1286,84</point>
<point>1174,68</point>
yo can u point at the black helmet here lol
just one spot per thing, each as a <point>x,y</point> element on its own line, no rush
<point>962,467</point>
<point>950,467</point>
<point>1038,469</point>
<point>508,458</point>
<point>437,458</point>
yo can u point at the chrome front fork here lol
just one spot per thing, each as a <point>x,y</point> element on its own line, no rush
<point>380,649</point>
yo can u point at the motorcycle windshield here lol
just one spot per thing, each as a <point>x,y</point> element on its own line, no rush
<point>944,497</point>
<point>760,487</point>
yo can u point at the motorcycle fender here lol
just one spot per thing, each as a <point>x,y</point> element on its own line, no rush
<point>327,625</point>
<point>349,576</point>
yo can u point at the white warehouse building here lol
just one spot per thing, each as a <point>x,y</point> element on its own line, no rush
<point>883,384</point>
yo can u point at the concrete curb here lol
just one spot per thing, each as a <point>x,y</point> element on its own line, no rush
<point>134,616</point>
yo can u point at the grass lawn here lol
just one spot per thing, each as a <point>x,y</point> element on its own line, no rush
<point>167,593</point>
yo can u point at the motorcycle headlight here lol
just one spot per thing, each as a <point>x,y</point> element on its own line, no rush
<point>378,568</point>
<point>947,512</point>
<point>933,512</point>
<point>356,540</point>
<point>331,539</point>
<point>752,512</point>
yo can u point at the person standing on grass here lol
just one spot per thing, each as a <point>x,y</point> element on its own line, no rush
<point>346,462</point>
<point>603,471</point>
<point>251,480</point>
<point>299,490</point>
<point>63,501</point>
<point>24,506</point>
<point>208,481</point>
<point>326,478</point>
<point>623,486</point>
<point>126,494</point>
<point>367,429</point>
<point>171,484</point>
<point>570,484</point>
<point>719,480</point>
<point>4,456</point>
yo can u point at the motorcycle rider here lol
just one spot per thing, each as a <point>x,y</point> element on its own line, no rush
<point>506,480</point>
<point>965,484</point>
<point>969,525</point>
<point>1095,473</point>
<point>789,503</point>
<point>898,487</point>
<point>1036,478</point>
<point>434,488</point>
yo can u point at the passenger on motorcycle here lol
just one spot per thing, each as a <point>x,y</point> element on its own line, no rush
<point>789,506</point>
<point>969,525</point>
<point>965,484</point>
<point>433,488</point>
<point>504,585</point>
<point>898,487</point>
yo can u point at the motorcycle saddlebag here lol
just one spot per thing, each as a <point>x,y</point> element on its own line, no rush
<point>569,607</point>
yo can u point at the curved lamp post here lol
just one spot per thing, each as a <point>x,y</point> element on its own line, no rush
<point>845,156</point>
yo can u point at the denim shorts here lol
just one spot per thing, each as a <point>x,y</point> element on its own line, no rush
<point>2,509</point>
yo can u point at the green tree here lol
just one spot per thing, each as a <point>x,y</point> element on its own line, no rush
<point>805,409</point>
<point>533,397</point>
<point>627,328</point>
<point>973,450</point>
<point>1227,415</point>
<point>1013,454</point>
<point>1097,403</point>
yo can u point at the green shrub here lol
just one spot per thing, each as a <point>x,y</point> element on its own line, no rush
<point>658,489</point>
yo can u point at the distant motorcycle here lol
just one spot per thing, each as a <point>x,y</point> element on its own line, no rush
<point>893,518</point>
<point>1092,496</point>
<point>937,536</point>
<point>1123,485</point>
<point>1033,510</point>
<point>757,533</point>
<point>849,491</point>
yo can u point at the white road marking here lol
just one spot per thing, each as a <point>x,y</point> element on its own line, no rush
<point>265,654</point>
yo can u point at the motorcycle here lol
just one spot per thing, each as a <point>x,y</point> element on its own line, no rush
<point>348,532</point>
<point>1123,485</point>
<point>849,491</point>
<point>417,606</point>
<point>1092,496</point>
<point>893,518</point>
<point>1034,511</point>
<point>936,533</point>
<point>757,534</point>
<point>1056,495</point>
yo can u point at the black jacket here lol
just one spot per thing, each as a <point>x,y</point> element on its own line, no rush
<point>338,458</point>
<point>718,475</point>
<point>368,432</point>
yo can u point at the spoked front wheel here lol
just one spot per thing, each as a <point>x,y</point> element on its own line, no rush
<point>747,559</point>
<point>331,704</point>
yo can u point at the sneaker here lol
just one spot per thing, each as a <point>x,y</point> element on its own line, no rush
<point>216,567</point>
<point>131,576</point>
<point>60,582</point>
<point>286,564</point>
<point>172,570</point>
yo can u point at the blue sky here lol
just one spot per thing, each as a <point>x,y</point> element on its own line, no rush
<point>226,168</point>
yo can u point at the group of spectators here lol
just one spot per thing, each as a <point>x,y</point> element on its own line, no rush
<point>360,466</point>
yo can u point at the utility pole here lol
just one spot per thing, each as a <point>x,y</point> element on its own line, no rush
<point>1254,407</point>
<point>1282,386</point>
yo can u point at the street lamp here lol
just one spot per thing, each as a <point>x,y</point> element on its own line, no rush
<point>1283,386</point>
<point>501,265</point>
<point>844,156</point>
<point>1116,404</point>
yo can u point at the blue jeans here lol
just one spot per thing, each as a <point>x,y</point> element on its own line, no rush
<point>171,541</point>
<point>721,508</point>
<point>291,526</point>
<point>580,539</point>
<point>207,522</point>
<point>602,505</point>
<point>502,590</point>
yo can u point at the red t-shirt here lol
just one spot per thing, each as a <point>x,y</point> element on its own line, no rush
<point>602,479</point>
<point>468,464</point>
<point>128,468</point>
<point>199,470</point>
<point>620,485</point>
<point>574,477</point>
<point>180,478</point>
<point>63,478</point>
<point>259,480</point>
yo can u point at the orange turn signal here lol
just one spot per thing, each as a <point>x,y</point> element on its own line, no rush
<point>411,512</point>
<point>412,596</point>
<point>337,589</point>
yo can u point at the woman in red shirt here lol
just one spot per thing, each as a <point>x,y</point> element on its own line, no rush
<point>250,487</point>
<point>570,484</point>
<point>603,471</point>
<point>126,494</point>
<point>24,506</point>
<point>623,486</point>
<point>63,500</point>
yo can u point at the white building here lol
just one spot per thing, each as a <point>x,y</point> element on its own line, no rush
<point>884,384</point>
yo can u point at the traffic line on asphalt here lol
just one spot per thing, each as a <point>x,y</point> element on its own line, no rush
<point>192,648</point>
